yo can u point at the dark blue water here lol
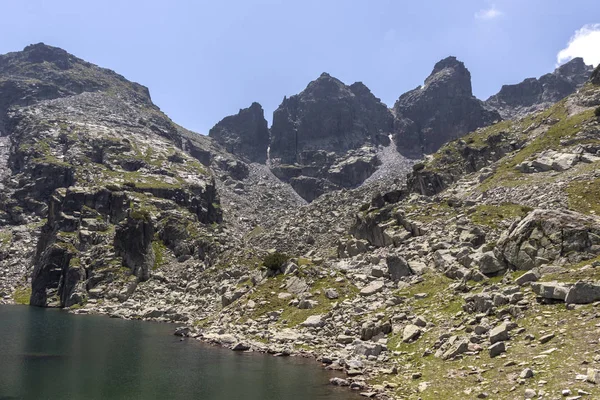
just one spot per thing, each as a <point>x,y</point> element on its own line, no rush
<point>50,354</point>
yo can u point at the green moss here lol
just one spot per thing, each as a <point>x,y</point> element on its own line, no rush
<point>22,295</point>
<point>275,261</point>
<point>159,253</point>
<point>584,195</point>
<point>493,215</point>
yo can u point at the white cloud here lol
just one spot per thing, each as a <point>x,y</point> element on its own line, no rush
<point>488,13</point>
<point>584,43</point>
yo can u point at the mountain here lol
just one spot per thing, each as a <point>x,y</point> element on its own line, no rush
<point>325,137</point>
<point>101,169</point>
<point>442,109</point>
<point>468,263</point>
<point>245,134</point>
<point>536,94</point>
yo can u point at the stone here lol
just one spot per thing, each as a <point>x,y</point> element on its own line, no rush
<point>499,334</point>
<point>593,375</point>
<point>457,348</point>
<point>530,393</point>
<point>296,285</point>
<point>526,373</point>
<point>398,267</point>
<point>550,290</point>
<point>367,348</point>
<point>496,349</point>
<point>240,346</point>
<point>411,333</point>
<point>583,293</point>
<point>546,338</point>
<point>549,235</point>
<point>372,288</point>
<point>527,277</point>
<point>314,321</point>
<point>489,264</point>
<point>331,294</point>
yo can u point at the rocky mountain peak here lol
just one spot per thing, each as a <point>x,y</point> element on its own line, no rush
<point>574,67</point>
<point>40,52</point>
<point>245,134</point>
<point>451,75</point>
<point>447,90</point>
<point>534,94</point>
<point>42,72</point>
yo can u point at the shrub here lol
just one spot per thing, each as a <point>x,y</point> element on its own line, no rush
<point>275,261</point>
<point>597,112</point>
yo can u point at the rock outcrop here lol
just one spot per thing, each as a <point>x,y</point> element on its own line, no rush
<point>535,94</point>
<point>547,236</point>
<point>245,134</point>
<point>443,109</point>
<point>90,152</point>
<point>328,116</point>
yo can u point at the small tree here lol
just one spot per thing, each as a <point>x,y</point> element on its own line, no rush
<point>275,261</point>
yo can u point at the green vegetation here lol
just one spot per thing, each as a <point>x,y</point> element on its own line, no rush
<point>22,295</point>
<point>584,195</point>
<point>159,253</point>
<point>597,112</point>
<point>493,215</point>
<point>565,127</point>
<point>275,261</point>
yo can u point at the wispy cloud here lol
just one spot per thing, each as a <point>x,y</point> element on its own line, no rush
<point>584,43</point>
<point>489,13</point>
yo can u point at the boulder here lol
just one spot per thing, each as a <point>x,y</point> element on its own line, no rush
<point>489,264</point>
<point>372,288</point>
<point>398,267</point>
<point>314,321</point>
<point>499,334</point>
<point>583,293</point>
<point>411,333</point>
<point>546,236</point>
<point>550,290</point>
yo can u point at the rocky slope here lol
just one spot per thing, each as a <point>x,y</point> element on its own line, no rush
<point>536,94</point>
<point>474,277</point>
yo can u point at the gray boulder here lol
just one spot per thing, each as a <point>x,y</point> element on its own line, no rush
<point>583,293</point>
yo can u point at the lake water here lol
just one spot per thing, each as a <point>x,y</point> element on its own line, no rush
<point>50,354</point>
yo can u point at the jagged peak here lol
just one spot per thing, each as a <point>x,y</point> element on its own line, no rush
<point>448,62</point>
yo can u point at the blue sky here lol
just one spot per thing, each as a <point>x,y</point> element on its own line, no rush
<point>203,60</point>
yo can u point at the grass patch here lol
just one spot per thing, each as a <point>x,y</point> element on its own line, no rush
<point>584,195</point>
<point>159,249</point>
<point>22,295</point>
<point>493,215</point>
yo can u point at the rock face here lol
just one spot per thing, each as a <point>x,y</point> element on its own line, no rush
<point>92,154</point>
<point>595,78</point>
<point>535,94</point>
<point>323,138</point>
<point>328,115</point>
<point>545,236</point>
<point>42,72</point>
<point>443,109</point>
<point>245,134</point>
